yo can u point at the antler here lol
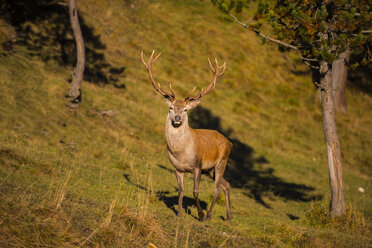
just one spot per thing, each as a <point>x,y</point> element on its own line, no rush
<point>218,71</point>
<point>162,92</point>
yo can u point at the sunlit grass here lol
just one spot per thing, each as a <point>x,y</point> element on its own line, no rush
<point>77,177</point>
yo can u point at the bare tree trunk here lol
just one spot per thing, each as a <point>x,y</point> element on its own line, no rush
<point>339,77</point>
<point>74,91</point>
<point>331,138</point>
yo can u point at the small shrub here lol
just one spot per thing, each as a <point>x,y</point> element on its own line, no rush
<point>352,219</point>
<point>320,216</point>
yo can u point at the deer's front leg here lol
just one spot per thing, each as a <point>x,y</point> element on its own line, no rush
<point>180,191</point>
<point>197,176</point>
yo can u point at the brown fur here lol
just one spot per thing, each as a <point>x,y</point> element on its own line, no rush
<point>210,152</point>
<point>194,150</point>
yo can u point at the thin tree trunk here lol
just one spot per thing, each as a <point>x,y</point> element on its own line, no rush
<point>74,91</point>
<point>331,139</point>
<point>339,77</point>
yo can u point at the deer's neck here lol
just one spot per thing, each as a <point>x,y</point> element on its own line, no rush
<point>178,138</point>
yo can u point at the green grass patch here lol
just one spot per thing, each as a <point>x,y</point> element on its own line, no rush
<point>71,178</point>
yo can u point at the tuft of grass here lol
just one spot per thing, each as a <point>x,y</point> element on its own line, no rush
<point>123,226</point>
<point>284,234</point>
<point>351,220</point>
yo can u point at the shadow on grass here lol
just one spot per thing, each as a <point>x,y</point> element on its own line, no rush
<point>170,201</point>
<point>166,168</point>
<point>245,170</point>
<point>43,27</point>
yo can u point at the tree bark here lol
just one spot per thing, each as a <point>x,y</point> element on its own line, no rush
<point>74,91</point>
<point>339,77</point>
<point>331,139</point>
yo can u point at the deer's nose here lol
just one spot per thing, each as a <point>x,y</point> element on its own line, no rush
<point>177,118</point>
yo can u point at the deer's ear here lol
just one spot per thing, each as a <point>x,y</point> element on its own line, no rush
<point>192,104</point>
<point>168,102</point>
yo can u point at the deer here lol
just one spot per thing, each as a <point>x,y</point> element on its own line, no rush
<point>191,150</point>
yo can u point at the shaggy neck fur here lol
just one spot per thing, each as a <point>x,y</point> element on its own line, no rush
<point>178,138</point>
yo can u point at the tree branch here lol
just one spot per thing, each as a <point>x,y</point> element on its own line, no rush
<point>306,59</point>
<point>320,86</point>
<point>366,31</point>
<point>262,35</point>
<point>269,38</point>
<point>312,66</point>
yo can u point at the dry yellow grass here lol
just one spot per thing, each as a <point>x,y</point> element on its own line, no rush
<point>71,178</point>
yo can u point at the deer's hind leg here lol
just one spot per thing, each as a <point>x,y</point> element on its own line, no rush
<point>226,188</point>
<point>219,183</point>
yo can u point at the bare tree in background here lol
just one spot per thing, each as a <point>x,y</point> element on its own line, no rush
<point>75,91</point>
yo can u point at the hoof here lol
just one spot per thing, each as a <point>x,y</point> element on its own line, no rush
<point>229,217</point>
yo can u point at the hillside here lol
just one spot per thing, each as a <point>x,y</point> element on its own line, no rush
<point>99,176</point>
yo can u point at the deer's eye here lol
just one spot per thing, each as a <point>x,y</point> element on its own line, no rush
<point>185,110</point>
<point>171,107</point>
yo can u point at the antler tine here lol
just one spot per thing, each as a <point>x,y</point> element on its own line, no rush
<point>219,67</point>
<point>171,89</point>
<point>223,67</point>
<point>218,71</point>
<point>143,60</point>
<point>190,93</point>
<point>157,57</point>
<point>152,59</point>
<point>157,87</point>
<point>211,66</point>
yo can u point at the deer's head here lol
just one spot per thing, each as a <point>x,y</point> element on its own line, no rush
<point>178,108</point>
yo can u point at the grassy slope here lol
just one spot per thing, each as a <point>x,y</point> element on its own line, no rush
<point>74,177</point>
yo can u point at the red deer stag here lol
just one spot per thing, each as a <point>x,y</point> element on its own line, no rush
<point>194,150</point>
